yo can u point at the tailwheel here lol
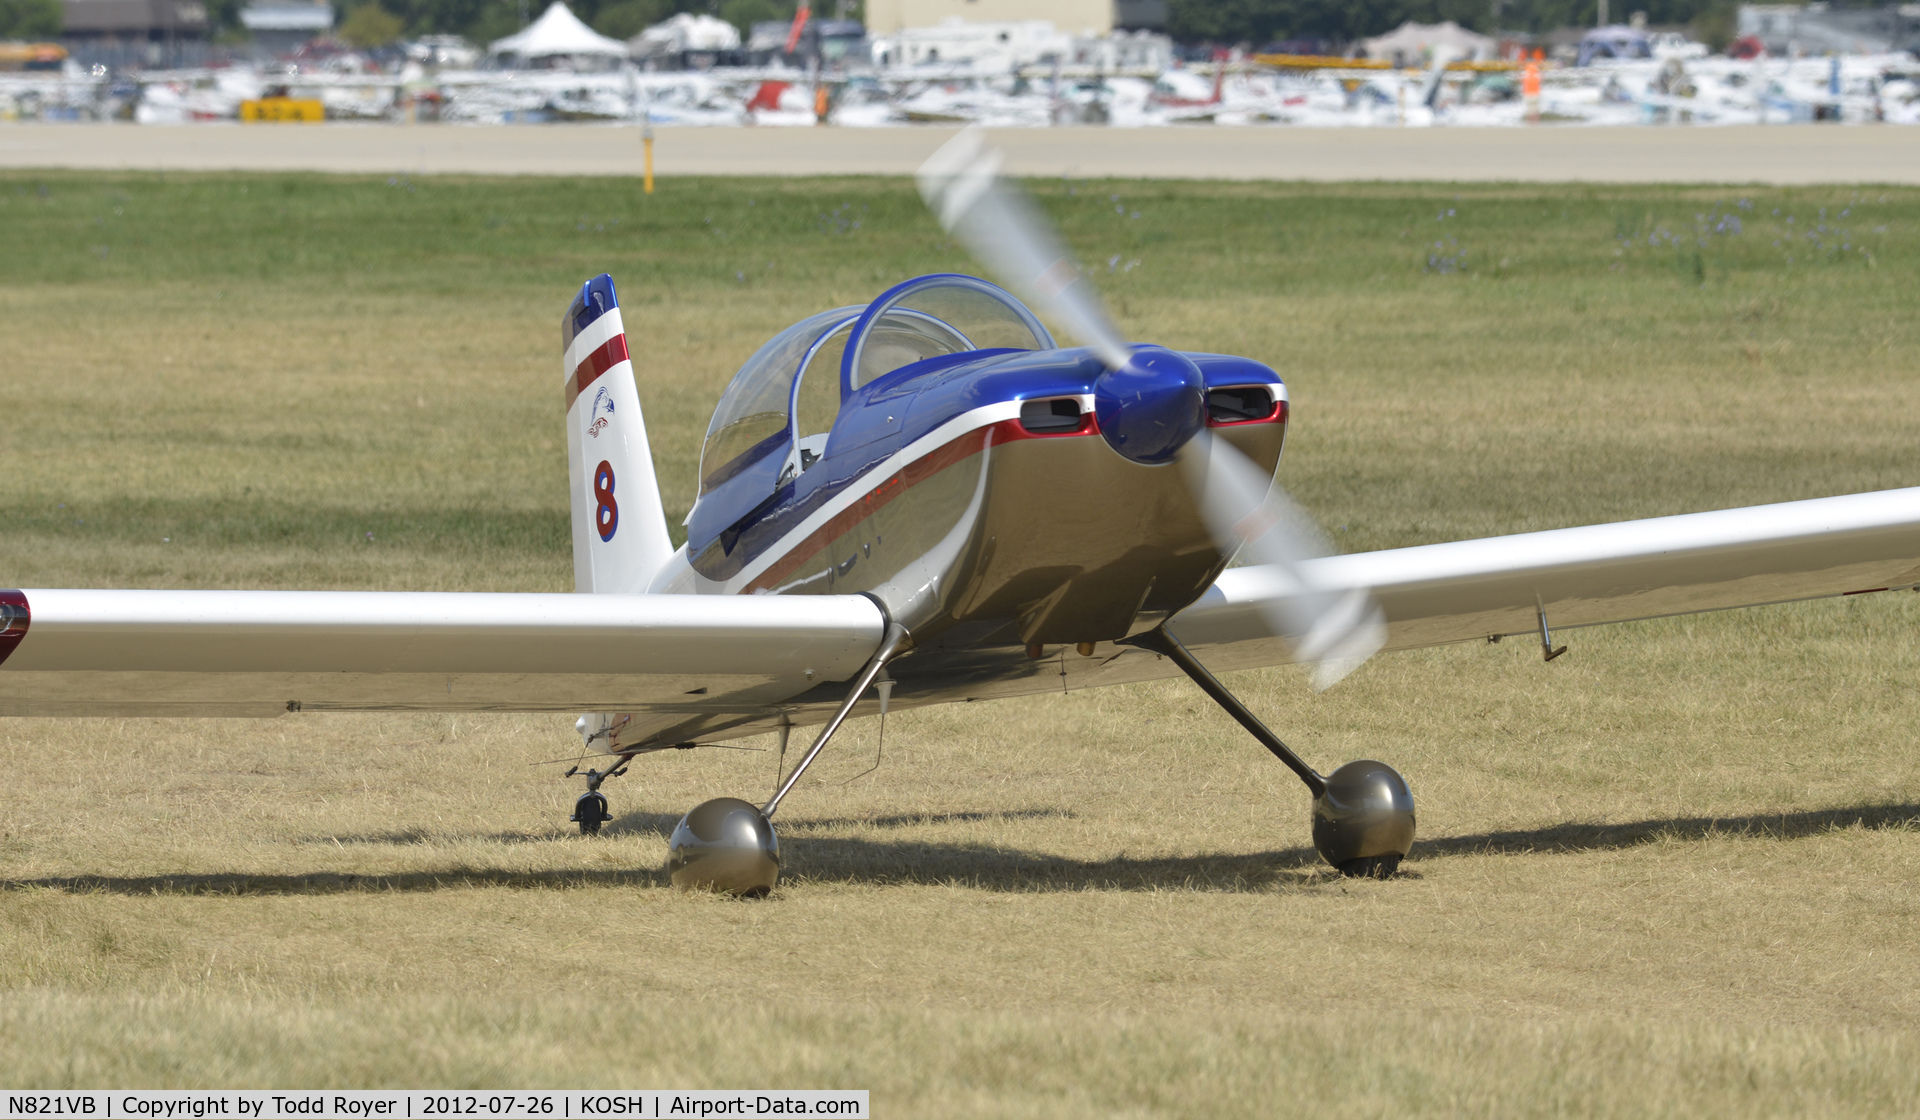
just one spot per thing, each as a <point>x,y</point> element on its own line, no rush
<point>591,812</point>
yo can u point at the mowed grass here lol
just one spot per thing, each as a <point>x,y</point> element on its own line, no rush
<point>1670,874</point>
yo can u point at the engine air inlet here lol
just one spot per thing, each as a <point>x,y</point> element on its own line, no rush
<point>1240,404</point>
<point>1051,417</point>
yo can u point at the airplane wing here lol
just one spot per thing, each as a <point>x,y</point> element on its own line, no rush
<point>1595,574</point>
<point>711,665</point>
<point>262,653</point>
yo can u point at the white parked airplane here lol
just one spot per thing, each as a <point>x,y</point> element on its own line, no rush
<point>925,500</point>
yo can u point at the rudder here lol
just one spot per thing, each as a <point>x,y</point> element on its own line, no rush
<point>620,536</point>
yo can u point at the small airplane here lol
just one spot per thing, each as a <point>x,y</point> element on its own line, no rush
<point>927,500</point>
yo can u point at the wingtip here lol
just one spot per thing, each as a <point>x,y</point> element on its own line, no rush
<point>15,616</point>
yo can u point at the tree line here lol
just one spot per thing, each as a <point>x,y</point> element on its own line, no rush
<point>1258,22</point>
<point>30,19</point>
<point>1252,22</point>
<point>483,21</point>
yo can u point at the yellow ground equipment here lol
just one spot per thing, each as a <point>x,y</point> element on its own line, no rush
<point>31,56</point>
<point>283,109</point>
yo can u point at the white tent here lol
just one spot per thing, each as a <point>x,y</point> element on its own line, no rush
<point>1412,43</point>
<point>685,32</point>
<point>558,32</point>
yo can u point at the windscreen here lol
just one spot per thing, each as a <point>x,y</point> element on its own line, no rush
<point>752,418</point>
<point>936,316</point>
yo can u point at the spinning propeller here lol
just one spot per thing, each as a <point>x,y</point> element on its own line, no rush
<point>1152,408</point>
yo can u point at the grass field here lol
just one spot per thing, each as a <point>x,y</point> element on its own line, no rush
<point>1670,874</point>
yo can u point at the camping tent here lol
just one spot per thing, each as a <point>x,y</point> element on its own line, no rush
<point>1412,43</point>
<point>557,33</point>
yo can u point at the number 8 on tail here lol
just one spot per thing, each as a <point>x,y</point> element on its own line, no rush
<point>606,516</point>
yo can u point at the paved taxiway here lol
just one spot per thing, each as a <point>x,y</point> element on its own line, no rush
<point>1780,155</point>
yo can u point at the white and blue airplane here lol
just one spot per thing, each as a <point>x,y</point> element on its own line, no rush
<point>926,500</point>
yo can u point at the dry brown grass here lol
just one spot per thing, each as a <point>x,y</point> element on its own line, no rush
<point>1670,874</point>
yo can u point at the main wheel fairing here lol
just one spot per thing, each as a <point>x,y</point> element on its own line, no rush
<point>1365,814</point>
<point>725,845</point>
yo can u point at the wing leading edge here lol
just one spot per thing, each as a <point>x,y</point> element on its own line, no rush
<point>1588,576</point>
<point>257,653</point>
<point>707,664</point>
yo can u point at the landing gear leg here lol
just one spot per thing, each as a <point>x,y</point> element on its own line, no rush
<point>1362,812</point>
<point>729,845</point>
<point>590,811</point>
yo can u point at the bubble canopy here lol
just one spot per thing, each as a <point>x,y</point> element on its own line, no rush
<point>752,420</point>
<point>931,317</point>
<point>928,317</point>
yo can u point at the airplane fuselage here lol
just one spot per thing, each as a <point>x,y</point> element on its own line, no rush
<point>979,503</point>
<point>1004,499</point>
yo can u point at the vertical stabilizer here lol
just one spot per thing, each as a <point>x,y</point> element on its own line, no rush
<point>1443,57</point>
<point>619,528</point>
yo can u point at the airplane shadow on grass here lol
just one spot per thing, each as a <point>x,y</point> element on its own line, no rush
<point>986,867</point>
<point>661,825</point>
